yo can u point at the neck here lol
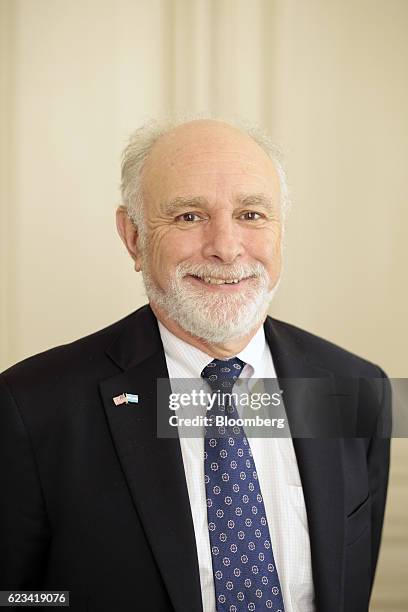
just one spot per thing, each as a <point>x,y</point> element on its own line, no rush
<point>221,350</point>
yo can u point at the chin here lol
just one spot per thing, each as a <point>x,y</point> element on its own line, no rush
<point>215,316</point>
<point>218,322</point>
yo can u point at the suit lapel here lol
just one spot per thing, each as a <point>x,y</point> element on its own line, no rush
<point>320,467</point>
<point>153,467</point>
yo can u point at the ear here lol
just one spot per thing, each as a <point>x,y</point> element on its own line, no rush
<point>128,232</point>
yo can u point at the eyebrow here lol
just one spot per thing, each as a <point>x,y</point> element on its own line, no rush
<point>247,200</point>
<point>255,199</point>
<point>180,203</point>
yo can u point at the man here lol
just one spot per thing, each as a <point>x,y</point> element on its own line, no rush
<point>95,502</point>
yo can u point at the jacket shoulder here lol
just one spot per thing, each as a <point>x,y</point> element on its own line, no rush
<point>322,352</point>
<point>68,360</point>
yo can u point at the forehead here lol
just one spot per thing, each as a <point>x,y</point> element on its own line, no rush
<point>208,159</point>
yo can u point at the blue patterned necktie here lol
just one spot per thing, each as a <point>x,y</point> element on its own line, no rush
<point>245,575</point>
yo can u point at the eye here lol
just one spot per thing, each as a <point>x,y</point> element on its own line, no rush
<point>189,217</point>
<point>250,215</point>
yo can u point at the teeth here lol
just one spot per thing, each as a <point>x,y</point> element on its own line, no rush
<point>220,281</point>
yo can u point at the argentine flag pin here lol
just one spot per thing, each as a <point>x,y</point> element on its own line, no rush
<point>125,398</point>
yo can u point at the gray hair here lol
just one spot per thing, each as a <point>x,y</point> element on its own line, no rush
<point>141,142</point>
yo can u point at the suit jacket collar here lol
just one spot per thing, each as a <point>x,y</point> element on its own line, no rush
<point>153,467</point>
<point>138,340</point>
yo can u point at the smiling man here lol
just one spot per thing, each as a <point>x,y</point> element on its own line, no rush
<point>209,241</point>
<point>95,502</point>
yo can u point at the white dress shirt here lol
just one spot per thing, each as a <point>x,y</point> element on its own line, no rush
<point>278,476</point>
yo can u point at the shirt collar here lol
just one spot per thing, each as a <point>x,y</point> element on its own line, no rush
<point>193,360</point>
<point>254,354</point>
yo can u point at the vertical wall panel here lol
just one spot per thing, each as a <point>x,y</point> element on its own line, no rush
<point>238,58</point>
<point>191,57</point>
<point>6,202</point>
<point>86,74</point>
<point>339,110</point>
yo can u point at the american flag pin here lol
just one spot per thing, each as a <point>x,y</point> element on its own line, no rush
<point>125,398</point>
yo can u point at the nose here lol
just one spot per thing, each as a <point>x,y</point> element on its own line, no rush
<point>223,240</point>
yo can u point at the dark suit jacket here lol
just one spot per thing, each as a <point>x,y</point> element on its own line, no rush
<point>93,502</point>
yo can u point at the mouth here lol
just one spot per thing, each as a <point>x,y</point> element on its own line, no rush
<point>217,282</point>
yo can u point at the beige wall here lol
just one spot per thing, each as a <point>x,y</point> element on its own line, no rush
<point>326,78</point>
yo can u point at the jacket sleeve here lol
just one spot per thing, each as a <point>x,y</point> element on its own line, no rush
<point>24,528</point>
<point>378,458</point>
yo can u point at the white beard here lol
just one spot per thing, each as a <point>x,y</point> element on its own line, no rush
<point>212,316</point>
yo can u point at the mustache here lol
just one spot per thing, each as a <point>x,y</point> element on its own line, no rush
<point>222,271</point>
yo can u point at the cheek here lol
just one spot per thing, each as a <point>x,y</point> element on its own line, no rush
<point>167,247</point>
<point>265,247</point>
<point>274,267</point>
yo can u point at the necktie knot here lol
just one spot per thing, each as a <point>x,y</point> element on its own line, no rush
<point>221,374</point>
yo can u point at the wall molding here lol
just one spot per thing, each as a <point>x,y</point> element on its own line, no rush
<point>5,180</point>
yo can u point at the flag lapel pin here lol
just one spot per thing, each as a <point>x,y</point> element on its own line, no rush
<point>125,398</point>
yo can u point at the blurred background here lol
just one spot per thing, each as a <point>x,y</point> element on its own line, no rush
<point>326,78</point>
